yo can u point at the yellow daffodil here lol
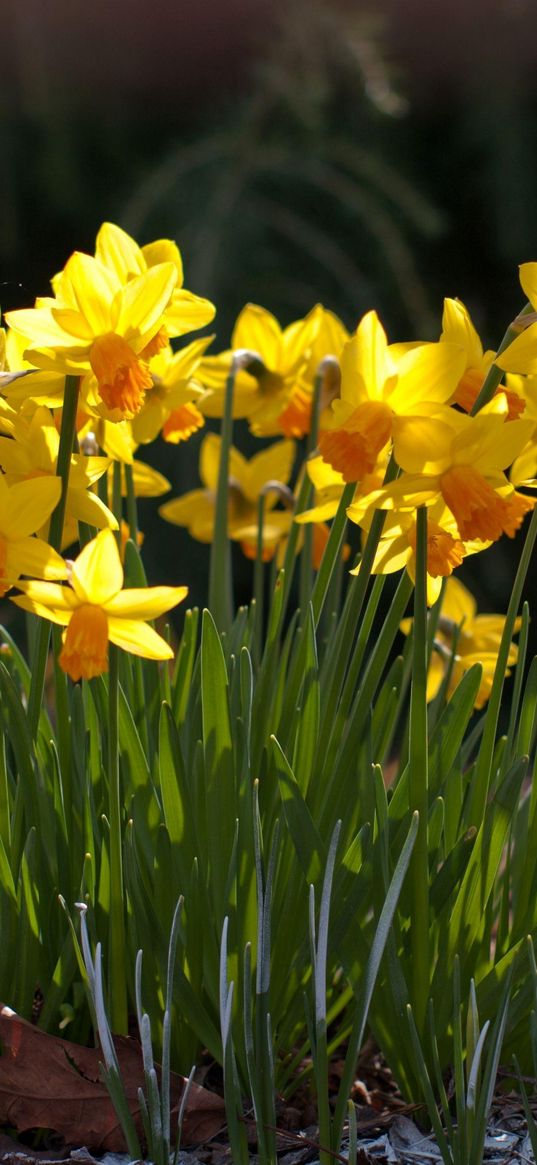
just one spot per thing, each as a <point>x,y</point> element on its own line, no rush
<point>31,452</point>
<point>462,464</point>
<point>24,508</point>
<point>382,390</point>
<point>273,394</point>
<point>97,323</point>
<point>328,340</point>
<point>95,610</point>
<point>118,442</point>
<point>171,407</point>
<point>457,328</point>
<point>464,638</point>
<point>247,480</point>
<point>397,546</point>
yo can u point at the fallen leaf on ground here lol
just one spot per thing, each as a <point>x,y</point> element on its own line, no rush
<point>50,1083</point>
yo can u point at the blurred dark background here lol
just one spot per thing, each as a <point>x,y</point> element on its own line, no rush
<point>361,154</point>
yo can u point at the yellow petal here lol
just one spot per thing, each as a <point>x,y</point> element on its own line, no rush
<point>258,331</point>
<point>144,301</point>
<point>429,372</point>
<point>137,638</point>
<point>273,464</point>
<point>164,251</point>
<point>97,573</point>
<point>94,287</point>
<point>195,510</point>
<point>115,248</point>
<point>145,602</point>
<point>457,328</point>
<point>322,475</point>
<point>187,312</point>
<point>86,506</point>
<point>210,460</point>
<point>521,355</point>
<point>458,603</point>
<point>418,439</point>
<point>28,505</point>
<point>148,482</point>
<point>365,357</point>
<point>55,602</point>
<point>528,280</point>
<point>35,557</point>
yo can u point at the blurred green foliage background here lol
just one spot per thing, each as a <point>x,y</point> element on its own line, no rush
<point>357,153</point>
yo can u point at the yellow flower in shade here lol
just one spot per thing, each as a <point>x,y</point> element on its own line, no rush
<point>461,464</point>
<point>96,611</point>
<point>382,390</point>
<point>97,323</point>
<point>457,328</point>
<point>31,452</point>
<point>273,393</point>
<point>24,508</point>
<point>171,408</point>
<point>119,252</point>
<point>397,546</point>
<point>464,638</point>
<point>119,444</point>
<point>247,481</point>
<point>328,340</point>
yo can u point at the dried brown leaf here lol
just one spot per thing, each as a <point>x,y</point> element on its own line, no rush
<point>47,1082</point>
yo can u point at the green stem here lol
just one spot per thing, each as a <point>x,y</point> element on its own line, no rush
<point>220,578</point>
<point>306,565</point>
<point>495,374</point>
<point>481,779</point>
<point>67,437</point>
<point>332,552</point>
<point>117,501</point>
<point>259,581</point>
<point>418,784</point>
<point>117,968</point>
<point>132,511</point>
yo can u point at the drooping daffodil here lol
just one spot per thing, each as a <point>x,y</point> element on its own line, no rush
<point>267,472</point>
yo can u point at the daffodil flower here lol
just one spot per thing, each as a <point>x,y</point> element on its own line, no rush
<point>171,408</point>
<point>31,452</point>
<point>247,480</point>
<point>464,638</point>
<point>273,393</point>
<point>397,546</point>
<point>97,323</point>
<point>382,391</point>
<point>462,464</point>
<point>96,610</point>
<point>24,508</point>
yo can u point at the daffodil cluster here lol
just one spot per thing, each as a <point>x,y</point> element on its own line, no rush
<point>400,424</point>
